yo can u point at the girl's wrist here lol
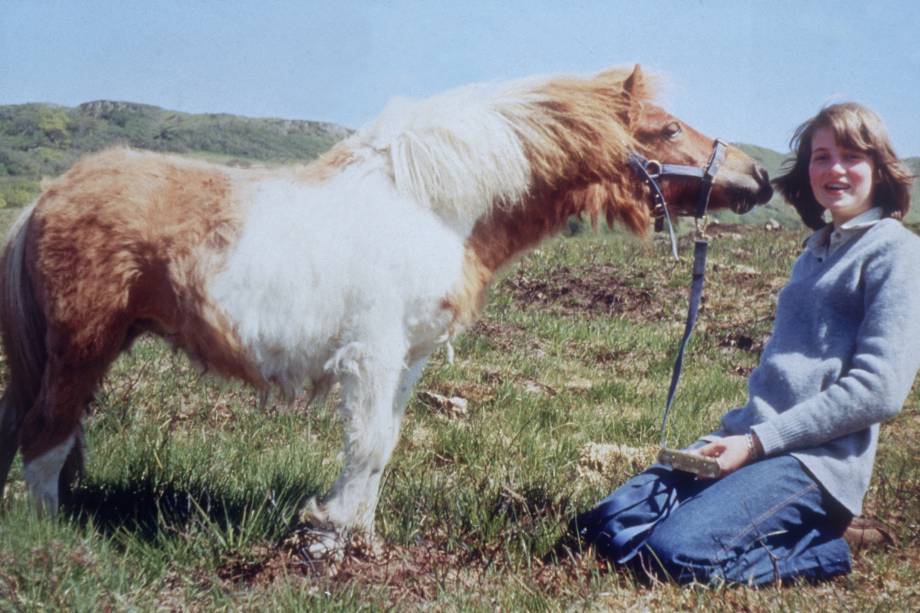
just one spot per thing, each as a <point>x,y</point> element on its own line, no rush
<point>755,449</point>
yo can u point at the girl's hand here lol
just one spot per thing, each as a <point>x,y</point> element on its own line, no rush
<point>732,452</point>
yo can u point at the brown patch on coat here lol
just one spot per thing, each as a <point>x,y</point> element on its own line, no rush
<point>468,299</point>
<point>121,244</point>
<point>577,144</point>
<point>507,232</point>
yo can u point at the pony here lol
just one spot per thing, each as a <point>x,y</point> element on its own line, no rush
<point>349,270</point>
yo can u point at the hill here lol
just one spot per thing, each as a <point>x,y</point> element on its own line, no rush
<point>42,140</point>
<point>914,165</point>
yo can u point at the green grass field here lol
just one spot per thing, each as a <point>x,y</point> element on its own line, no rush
<point>191,489</point>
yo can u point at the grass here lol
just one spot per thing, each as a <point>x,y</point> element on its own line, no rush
<point>191,487</point>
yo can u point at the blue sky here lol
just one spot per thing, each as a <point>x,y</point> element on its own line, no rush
<point>744,71</point>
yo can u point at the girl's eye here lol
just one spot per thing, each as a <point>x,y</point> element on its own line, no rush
<point>672,130</point>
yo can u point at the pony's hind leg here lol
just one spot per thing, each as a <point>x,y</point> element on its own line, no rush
<point>74,466</point>
<point>42,474</point>
<point>9,437</point>
<point>51,435</point>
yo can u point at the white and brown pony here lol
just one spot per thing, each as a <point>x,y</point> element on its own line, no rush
<point>349,270</point>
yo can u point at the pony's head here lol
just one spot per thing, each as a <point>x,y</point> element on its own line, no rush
<point>740,183</point>
<point>612,115</point>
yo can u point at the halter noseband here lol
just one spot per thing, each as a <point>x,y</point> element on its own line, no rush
<point>652,171</point>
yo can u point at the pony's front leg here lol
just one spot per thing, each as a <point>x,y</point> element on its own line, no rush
<point>407,381</point>
<point>373,432</point>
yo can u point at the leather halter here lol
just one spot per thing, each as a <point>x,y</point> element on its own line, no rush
<point>653,171</point>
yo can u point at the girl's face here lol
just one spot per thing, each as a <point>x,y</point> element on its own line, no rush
<point>841,178</point>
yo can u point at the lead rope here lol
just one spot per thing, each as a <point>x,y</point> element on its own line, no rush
<point>700,250</point>
<point>680,460</point>
<point>650,171</point>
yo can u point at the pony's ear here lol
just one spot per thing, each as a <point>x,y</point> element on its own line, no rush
<point>633,92</point>
<point>634,85</point>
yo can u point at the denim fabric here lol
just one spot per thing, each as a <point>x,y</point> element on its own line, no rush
<point>769,521</point>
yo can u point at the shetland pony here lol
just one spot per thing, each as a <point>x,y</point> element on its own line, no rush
<point>349,270</point>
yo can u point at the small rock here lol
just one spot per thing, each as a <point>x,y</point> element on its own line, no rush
<point>604,457</point>
<point>535,387</point>
<point>579,383</point>
<point>453,406</point>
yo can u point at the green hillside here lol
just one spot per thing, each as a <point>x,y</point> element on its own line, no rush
<point>41,140</point>
<point>914,165</point>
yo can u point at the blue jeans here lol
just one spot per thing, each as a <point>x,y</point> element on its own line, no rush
<point>767,522</point>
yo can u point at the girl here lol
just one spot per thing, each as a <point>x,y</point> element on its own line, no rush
<point>797,458</point>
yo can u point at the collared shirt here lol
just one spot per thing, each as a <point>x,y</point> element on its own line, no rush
<point>829,239</point>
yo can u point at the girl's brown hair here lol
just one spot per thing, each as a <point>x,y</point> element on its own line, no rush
<point>855,127</point>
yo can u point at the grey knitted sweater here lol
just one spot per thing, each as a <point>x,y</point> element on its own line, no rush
<point>843,354</point>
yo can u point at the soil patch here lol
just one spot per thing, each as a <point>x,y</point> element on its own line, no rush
<point>503,336</point>
<point>737,339</point>
<point>592,290</point>
<point>405,575</point>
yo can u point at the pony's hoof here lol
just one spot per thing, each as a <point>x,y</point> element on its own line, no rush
<point>316,538</point>
<point>314,515</point>
<point>316,544</point>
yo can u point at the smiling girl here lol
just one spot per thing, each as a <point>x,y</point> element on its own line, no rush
<point>797,458</point>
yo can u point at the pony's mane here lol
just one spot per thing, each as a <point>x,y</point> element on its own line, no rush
<point>469,149</point>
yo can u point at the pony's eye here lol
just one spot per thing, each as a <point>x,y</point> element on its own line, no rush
<point>672,130</point>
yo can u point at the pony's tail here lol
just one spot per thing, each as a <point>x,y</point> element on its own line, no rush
<point>22,325</point>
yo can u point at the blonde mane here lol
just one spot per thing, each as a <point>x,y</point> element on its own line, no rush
<point>465,151</point>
